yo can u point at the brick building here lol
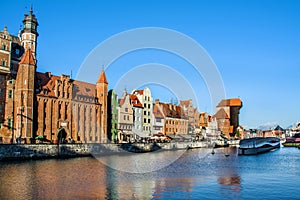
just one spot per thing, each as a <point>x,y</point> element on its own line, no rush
<point>175,121</point>
<point>33,104</point>
<point>227,116</point>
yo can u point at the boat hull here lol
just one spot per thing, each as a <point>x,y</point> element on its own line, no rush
<point>253,146</point>
<point>255,151</point>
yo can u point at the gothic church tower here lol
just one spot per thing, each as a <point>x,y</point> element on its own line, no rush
<point>29,33</point>
<point>24,91</point>
<point>101,94</point>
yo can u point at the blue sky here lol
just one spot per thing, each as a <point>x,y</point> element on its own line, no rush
<point>254,44</point>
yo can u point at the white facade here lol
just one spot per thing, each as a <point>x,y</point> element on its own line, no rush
<point>145,98</point>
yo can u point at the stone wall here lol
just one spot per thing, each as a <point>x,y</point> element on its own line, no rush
<point>41,151</point>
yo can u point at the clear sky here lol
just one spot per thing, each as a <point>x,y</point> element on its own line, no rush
<point>254,44</point>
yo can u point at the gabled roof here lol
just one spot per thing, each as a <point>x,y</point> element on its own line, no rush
<point>157,112</point>
<point>186,103</point>
<point>141,92</point>
<point>135,102</point>
<point>174,111</point>
<point>221,114</point>
<point>28,58</point>
<point>230,102</point>
<point>82,91</point>
<point>102,77</point>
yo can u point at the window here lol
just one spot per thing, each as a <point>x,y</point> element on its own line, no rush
<point>128,117</point>
<point>158,120</point>
<point>10,93</point>
<point>124,117</point>
<point>145,112</point>
<point>59,111</point>
<point>148,113</point>
<point>3,63</point>
<point>126,109</point>
<point>149,106</point>
<point>149,121</point>
<point>9,123</point>
<point>3,47</point>
<point>145,105</point>
<point>145,120</point>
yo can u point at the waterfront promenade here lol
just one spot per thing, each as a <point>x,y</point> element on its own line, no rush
<point>46,151</point>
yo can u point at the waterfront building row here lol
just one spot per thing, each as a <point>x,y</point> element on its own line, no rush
<point>57,108</point>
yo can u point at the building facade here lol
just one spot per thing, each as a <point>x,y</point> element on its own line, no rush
<point>125,114</point>
<point>145,98</point>
<point>227,116</point>
<point>137,113</point>
<point>112,113</point>
<point>175,121</point>
<point>158,118</point>
<point>55,108</point>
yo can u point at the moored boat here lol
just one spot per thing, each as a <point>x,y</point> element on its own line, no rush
<point>252,146</point>
<point>292,141</point>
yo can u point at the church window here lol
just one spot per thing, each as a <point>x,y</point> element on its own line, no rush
<point>59,111</point>
<point>9,123</point>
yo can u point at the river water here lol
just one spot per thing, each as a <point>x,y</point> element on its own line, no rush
<point>192,174</point>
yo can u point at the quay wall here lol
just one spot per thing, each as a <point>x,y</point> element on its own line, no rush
<point>44,151</point>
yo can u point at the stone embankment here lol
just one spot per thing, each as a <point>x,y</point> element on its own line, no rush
<point>45,151</point>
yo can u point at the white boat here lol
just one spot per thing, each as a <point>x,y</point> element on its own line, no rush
<point>258,145</point>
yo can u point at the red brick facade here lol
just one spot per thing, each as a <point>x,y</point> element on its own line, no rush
<point>56,108</point>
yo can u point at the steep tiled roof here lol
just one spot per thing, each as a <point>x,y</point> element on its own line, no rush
<point>173,111</point>
<point>82,91</point>
<point>185,103</point>
<point>221,114</point>
<point>102,77</point>
<point>140,92</point>
<point>135,101</point>
<point>28,58</point>
<point>157,113</point>
<point>230,102</point>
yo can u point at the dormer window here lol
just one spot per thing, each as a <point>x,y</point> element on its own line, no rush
<point>45,91</point>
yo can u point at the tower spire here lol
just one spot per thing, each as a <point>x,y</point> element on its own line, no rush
<point>31,9</point>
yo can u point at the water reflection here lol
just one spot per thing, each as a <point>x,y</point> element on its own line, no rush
<point>191,177</point>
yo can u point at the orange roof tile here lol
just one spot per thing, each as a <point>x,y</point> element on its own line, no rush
<point>230,102</point>
<point>140,91</point>
<point>28,58</point>
<point>135,101</point>
<point>156,111</point>
<point>102,77</point>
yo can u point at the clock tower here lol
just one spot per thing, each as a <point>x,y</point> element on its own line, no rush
<point>29,33</point>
